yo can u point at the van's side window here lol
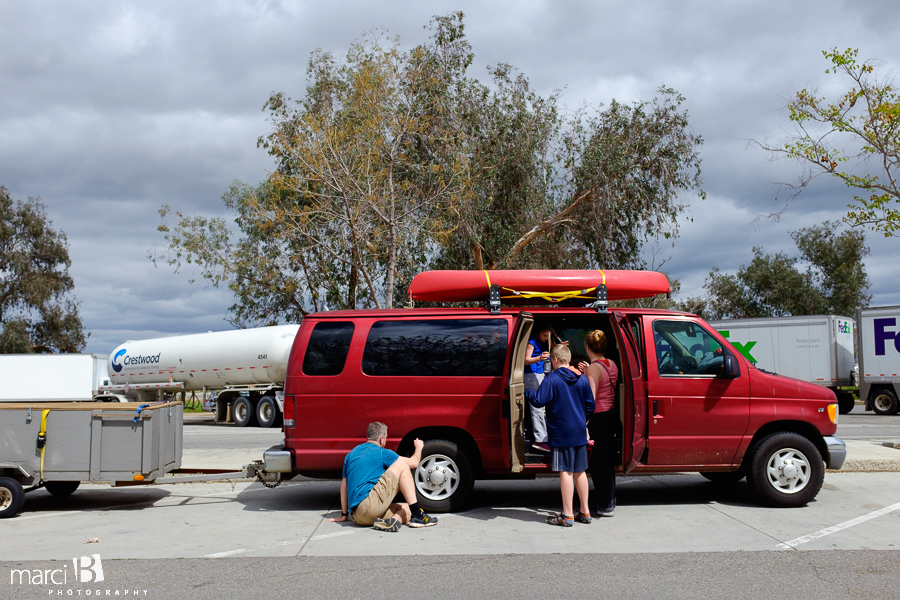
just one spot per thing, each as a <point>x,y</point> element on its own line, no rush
<point>436,348</point>
<point>327,350</point>
<point>686,348</point>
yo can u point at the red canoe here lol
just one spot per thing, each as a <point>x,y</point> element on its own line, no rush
<point>535,287</point>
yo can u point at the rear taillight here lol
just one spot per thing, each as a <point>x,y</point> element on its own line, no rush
<point>289,411</point>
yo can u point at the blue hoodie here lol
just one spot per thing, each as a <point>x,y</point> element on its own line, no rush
<point>569,403</point>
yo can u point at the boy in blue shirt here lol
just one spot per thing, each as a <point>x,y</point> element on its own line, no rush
<point>567,396</point>
<point>372,477</point>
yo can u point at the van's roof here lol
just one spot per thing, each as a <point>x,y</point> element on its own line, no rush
<point>479,311</point>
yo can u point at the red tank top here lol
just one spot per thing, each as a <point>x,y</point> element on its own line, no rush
<point>606,391</point>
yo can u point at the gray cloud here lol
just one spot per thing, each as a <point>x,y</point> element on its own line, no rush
<point>111,109</point>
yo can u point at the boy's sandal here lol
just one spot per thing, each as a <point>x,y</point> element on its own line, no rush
<point>583,518</point>
<point>561,520</point>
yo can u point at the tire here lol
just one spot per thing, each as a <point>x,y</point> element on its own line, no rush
<point>267,411</point>
<point>61,488</point>
<point>444,477</point>
<point>846,402</point>
<point>243,413</point>
<point>884,402</point>
<point>725,477</point>
<point>786,470</point>
<point>12,497</point>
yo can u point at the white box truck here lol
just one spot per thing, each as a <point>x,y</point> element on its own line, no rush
<point>247,368</point>
<point>814,348</point>
<point>53,378</point>
<point>879,358</point>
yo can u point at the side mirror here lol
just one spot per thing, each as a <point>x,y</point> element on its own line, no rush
<point>730,367</point>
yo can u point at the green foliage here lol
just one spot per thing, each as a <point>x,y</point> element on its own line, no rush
<point>37,313</point>
<point>394,162</point>
<point>855,137</point>
<point>833,282</point>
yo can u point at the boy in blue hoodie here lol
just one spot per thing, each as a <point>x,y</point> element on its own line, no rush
<point>567,396</point>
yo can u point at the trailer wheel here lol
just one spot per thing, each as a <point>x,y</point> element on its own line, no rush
<point>444,477</point>
<point>267,411</point>
<point>243,412</point>
<point>884,402</point>
<point>12,497</point>
<point>786,470</point>
<point>61,488</point>
<point>846,402</point>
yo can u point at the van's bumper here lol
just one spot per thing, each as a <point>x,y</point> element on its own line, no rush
<point>835,452</point>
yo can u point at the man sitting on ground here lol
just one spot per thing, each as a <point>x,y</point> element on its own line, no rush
<point>372,476</point>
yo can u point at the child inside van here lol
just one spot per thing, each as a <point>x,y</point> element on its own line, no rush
<point>537,353</point>
<point>567,397</point>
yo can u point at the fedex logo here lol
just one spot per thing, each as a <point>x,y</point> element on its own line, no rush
<point>882,335</point>
<point>844,327</point>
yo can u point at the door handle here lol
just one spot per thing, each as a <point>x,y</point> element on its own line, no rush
<point>655,412</point>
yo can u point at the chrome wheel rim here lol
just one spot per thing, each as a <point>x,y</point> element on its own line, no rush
<point>5,498</point>
<point>788,470</point>
<point>437,477</point>
<point>883,402</point>
<point>265,412</point>
<point>240,412</point>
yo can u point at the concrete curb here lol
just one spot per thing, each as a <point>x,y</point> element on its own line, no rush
<point>871,457</point>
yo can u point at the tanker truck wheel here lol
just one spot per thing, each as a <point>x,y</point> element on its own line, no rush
<point>12,497</point>
<point>267,411</point>
<point>243,412</point>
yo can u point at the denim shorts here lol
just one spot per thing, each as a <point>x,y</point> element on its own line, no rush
<point>571,460</point>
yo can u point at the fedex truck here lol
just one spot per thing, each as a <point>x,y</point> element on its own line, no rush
<point>879,358</point>
<point>814,348</point>
<point>246,367</point>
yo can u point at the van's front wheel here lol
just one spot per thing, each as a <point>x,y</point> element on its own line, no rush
<point>786,470</point>
<point>444,477</point>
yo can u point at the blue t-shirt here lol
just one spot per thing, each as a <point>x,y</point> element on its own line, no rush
<point>363,467</point>
<point>539,348</point>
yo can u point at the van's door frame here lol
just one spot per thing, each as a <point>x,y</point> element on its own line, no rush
<point>635,393</point>
<point>517,393</point>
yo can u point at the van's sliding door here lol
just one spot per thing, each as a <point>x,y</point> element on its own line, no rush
<point>517,394</point>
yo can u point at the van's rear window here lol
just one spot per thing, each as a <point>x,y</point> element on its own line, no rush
<point>436,348</point>
<point>327,350</point>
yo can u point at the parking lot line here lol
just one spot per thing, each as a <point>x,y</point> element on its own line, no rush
<point>829,530</point>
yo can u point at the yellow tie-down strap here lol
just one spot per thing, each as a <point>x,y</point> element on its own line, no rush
<point>42,439</point>
<point>550,296</point>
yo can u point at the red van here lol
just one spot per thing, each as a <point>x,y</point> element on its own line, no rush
<point>688,401</point>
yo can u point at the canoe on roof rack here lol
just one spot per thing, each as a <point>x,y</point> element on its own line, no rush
<point>535,286</point>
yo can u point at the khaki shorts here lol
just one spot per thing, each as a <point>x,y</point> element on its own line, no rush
<point>379,504</point>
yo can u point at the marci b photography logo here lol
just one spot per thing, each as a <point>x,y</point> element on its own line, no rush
<point>86,569</point>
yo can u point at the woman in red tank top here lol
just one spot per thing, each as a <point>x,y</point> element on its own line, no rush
<point>603,375</point>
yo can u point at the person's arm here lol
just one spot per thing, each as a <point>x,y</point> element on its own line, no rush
<point>345,510</point>
<point>542,397</point>
<point>530,360</point>
<point>413,461</point>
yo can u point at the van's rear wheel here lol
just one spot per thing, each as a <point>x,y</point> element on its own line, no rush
<point>786,470</point>
<point>243,412</point>
<point>884,402</point>
<point>444,477</point>
<point>12,497</point>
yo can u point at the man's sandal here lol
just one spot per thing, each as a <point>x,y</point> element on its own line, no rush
<point>561,520</point>
<point>583,518</point>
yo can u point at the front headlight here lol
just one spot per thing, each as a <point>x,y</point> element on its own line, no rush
<point>833,413</point>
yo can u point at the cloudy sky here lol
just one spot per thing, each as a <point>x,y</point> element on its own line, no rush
<point>110,109</point>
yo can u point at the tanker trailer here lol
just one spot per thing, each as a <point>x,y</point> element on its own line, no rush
<point>246,367</point>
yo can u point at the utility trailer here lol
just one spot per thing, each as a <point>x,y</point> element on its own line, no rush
<point>57,445</point>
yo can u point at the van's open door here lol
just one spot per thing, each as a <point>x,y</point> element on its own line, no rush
<point>517,394</point>
<point>635,393</point>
